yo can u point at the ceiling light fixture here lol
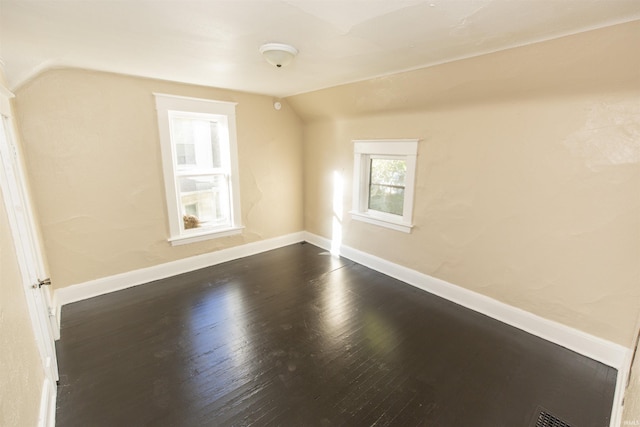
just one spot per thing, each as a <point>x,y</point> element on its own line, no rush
<point>278,54</point>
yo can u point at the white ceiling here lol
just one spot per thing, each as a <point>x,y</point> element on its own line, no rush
<point>215,42</point>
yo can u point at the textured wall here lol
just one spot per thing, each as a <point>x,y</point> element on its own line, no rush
<point>22,372</point>
<point>93,157</point>
<point>528,179</point>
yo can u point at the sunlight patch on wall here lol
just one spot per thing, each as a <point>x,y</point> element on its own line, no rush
<point>336,233</point>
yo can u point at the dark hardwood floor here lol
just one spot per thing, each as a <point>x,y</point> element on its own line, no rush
<point>294,337</point>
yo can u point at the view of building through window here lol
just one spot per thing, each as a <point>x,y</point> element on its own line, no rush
<point>200,164</point>
<point>202,181</point>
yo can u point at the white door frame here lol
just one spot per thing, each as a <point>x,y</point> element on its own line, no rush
<point>28,251</point>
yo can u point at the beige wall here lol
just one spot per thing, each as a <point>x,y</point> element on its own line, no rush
<point>91,145</point>
<point>20,366</point>
<point>528,180</point>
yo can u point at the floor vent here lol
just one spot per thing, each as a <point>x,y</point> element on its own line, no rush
<point>545,419</point>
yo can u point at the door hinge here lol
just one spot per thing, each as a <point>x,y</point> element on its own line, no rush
<point>41,283</point>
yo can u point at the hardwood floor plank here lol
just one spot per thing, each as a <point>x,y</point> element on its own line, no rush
<point>294,337</point>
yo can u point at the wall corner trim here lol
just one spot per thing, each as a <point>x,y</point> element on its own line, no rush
<point>117,282</point>
<point>48,398</point>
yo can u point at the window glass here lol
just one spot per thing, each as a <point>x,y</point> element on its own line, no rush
<point>384,181</point>
<point>200,164</point>
<point>196,141</point>
<point>387,185</point>
<point>205,197</point>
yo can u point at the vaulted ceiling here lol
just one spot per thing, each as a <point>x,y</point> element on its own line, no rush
<point>216,42</point>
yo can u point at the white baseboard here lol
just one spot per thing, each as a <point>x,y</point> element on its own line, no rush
<point>604,351</point>
<point>601,350</point>
<point>129,279</point>
<point>609,353</point>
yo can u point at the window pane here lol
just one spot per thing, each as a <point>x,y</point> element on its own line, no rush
<point>388,171</point>
<point>386,187</point>
<point>191,209</point>
<point>204,201</point>
<point>186,154</point>
<point>196,142</point>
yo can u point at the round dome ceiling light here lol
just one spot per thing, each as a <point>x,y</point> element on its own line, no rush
<point>278,54</point>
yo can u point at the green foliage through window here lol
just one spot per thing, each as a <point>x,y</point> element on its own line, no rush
<point>387,185</point>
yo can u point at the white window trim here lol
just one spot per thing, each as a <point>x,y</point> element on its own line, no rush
<point>364,150</point>
<point>166,103</point>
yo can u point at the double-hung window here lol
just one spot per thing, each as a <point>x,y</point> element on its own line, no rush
<point>384,175</point>
<point>199,156</point>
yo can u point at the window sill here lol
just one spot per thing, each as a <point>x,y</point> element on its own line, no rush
<point>204,235</point>
<point>388,223</point>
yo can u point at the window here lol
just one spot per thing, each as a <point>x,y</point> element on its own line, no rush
<point>383,177</point>
<point>199,157</point>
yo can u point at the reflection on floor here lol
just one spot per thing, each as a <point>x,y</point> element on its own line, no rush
<point>296,337</point>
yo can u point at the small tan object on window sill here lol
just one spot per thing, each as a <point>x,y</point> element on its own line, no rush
<point>190,221</point>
